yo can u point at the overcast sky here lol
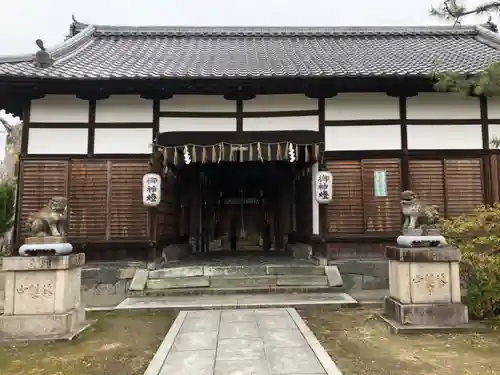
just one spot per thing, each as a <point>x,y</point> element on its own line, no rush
<point>24,21</point>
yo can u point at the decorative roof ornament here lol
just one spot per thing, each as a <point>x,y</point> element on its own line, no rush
<point>42,57</point>
<point>490,25</point>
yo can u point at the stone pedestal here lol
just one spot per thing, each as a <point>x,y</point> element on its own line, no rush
<point>424,289</point>
<point>42,297</point>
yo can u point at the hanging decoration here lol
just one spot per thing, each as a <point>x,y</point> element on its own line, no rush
<point>254,151</point>
<point>323,187</point>
<point>291,153</point>
<point>151,189</point>
<point>187,157</point>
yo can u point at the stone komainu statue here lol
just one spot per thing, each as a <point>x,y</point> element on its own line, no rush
<point>417,215</point>
<point>50,220</point>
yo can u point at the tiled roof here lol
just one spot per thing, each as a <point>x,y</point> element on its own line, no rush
<point>119,52</point>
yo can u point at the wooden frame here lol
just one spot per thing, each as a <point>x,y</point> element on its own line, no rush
<point>320,89</point>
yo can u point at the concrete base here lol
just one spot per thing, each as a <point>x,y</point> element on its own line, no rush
<point>424,290</point>
<point>426,314</point>
<point>42,297</point>
<point>43,327</point>
<point>405,329</point>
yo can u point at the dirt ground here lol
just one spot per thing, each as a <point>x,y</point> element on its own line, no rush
<point>120,343</point>
<point>360,344</point>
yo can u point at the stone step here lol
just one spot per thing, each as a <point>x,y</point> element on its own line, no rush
<point>229,291</point>
<point>296,270</point>
<point>178,282</point>
<point>236,281</point>
<point>301,280</point>
<point>236,271</point>
<point>242,281</point>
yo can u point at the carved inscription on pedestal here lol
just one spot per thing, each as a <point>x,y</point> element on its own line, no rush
<point>34,293</point>
<point>430,281</point>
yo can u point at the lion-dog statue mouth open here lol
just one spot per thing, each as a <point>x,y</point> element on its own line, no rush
<point>50,220</point>
<point>416,214</point>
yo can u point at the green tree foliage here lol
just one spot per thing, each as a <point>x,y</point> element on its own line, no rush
<point>7,199</point>
<point>477,235</point>
<point>486,82</point>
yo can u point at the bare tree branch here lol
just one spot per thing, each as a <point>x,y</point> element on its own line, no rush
<point>454,11</point>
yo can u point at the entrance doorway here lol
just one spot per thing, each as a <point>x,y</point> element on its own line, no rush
<point>245,206</point>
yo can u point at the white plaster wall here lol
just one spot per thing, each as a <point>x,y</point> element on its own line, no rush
<point>59,109</point>
<point>289,102</point>
<point>58,141</point>
<point>357,138</point>
<point>123,141</point>
<point>361,106</point>
<point>124,108</point>
<point>494,107</point>
<point>444,137</point>
<point>281,123</point>
<point>198,103</point>
<point>442,106</point>
<point>183,124</point>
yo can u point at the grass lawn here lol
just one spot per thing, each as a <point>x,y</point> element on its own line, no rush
<point>360,344</point>
<point>121,343</point>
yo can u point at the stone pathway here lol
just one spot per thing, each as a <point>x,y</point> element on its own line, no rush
<point>241,342</point>
<point>236,301</point>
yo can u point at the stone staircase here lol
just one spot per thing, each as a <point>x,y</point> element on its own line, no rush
<point>244,279</point>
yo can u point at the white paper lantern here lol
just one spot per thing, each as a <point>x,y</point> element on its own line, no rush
<point>323,187</point>
<point>151,189</point>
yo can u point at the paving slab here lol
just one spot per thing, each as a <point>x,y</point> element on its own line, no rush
<point>241,342</point>
<point>236,301</point>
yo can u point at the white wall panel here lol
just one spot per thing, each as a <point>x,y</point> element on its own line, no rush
<point>444,137</point>
<point>494,108</point>
<point>59,109</point>
<point>290,102</point>
<point>361,106</point>
<point>123,141</point>
<point>195,124</point>
<point>58,141</point>
<point>124,108</point>
<point>198,103</point>
<point>442,106</point>
<point>358,138</point>
<point>281,123</point>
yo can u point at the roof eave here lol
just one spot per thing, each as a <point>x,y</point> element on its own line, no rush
<point>59,51</point>
<point>488,37</point>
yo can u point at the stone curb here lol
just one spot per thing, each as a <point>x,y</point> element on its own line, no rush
<point>318,349</point>
<point>161,354</point>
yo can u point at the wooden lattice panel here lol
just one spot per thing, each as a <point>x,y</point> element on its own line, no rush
<point>345,212</point>
<point>88,199</point>
<point>40,181</point>
<point>128,217</point>
<point>381,214</point>
<point>427,180</point>
<point>464,187</point>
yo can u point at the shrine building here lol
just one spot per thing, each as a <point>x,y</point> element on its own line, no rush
<point>238,122</point>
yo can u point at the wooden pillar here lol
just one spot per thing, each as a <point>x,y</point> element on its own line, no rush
<point>494,178</point>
